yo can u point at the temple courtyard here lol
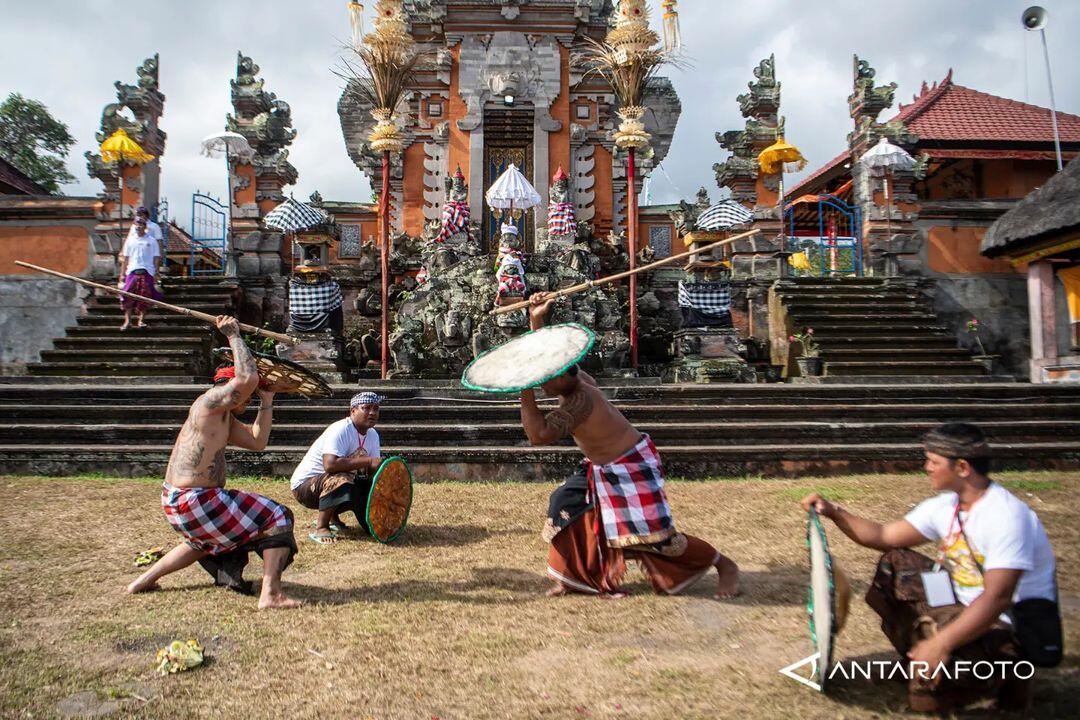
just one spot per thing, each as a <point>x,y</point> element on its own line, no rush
<point>450,620</point>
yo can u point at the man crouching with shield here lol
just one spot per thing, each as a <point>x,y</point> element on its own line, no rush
<point>221,526</point>
<point>614,507</point>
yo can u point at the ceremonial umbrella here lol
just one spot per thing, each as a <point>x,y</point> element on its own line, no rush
<point>881,160</point>
<point>119,148</point>
<point>512,192</point>
<point>228,145</point>
<point>723,215</point>
<point>777,158</point>
<point>292,216</point>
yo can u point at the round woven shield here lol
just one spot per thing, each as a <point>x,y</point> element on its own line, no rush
<point>389,500</point>
<point>529,360</point>
<point>272,369</point>
<point>829,597</point>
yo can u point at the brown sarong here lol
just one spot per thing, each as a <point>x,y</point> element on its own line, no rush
<point>580,561</point>
<point>898,597</point>
<point>322,492</point>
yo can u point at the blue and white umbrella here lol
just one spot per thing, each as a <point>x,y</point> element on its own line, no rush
<point>723,215</point>
<point>293,215</point>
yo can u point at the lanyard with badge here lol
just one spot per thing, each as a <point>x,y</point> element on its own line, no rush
<point>937,583</point>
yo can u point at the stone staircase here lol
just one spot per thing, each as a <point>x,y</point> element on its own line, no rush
<point>876,330</point>
<point>448,433</point>
<point>173,349</point>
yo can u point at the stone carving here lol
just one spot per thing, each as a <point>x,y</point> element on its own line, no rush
<point>867,101</point>
<point>455,212</point>
<point>740,172</point>
<point>434,174</point>
<point>509,63</point>
<point>585,181</point>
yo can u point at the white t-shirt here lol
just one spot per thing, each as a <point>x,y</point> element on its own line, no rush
<point>1005,534</point>
<point>140,250</point>
<point>341,439</point>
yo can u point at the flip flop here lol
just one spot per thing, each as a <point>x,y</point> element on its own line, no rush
<point>323,539</point>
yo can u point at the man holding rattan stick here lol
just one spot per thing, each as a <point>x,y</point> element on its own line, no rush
<point>220,526</point>
<point>614,507</point>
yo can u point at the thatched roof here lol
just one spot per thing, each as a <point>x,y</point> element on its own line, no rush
<point>1051,210</point>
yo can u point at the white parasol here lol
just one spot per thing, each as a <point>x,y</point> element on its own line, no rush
<point>512,192</point>
<point>227,144</point>
<point>886,157</point>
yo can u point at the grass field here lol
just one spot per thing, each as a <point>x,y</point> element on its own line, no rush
<point>451,621</point>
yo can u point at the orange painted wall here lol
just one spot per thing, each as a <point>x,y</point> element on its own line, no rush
<point>559,142</point>
<point>956,250</point>
<point>602,188</point>
<point>247,195</point>
<point>65,248</point>
<point>459,139</point>
<point>413,212</point>
<point>131,198</point>
<point>1013,178</point>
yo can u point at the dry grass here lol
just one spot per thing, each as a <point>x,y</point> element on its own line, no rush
<point>450,622</point>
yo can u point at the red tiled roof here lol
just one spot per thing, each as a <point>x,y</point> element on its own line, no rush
<point>948,113</point>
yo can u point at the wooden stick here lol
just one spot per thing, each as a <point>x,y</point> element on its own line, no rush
<point>589,284</point>
<point>174,308</point>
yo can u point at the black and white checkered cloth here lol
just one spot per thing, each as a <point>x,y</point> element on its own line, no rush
<point>710,298</point>
<point>317,299</point>
<point>723,215</point>
<point>293,215</point>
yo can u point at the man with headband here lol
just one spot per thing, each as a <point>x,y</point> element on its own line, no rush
<point>221,526</point>
<point>991,552</point>
<point>614,508</point>
<point>326,479</point>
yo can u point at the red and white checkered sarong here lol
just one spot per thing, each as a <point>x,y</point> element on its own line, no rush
<point>561,219</point>
<point>218,521</point>
<point>630,493</point>
<point>455,219</point>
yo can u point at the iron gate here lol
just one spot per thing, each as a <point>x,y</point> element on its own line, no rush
<point>209,232</point>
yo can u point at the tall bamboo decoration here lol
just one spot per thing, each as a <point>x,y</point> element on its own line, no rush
<point>385,58</point>
<point>627,58</point>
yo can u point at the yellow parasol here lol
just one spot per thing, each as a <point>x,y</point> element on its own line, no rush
<point>119,148</point>
<point>781,156</point>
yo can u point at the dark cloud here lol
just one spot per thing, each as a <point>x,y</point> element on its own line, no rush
<point>68,55</point>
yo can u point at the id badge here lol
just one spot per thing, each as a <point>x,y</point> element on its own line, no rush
<point>938,588</point>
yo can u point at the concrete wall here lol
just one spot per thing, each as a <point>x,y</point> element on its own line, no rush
<point>34,311</point>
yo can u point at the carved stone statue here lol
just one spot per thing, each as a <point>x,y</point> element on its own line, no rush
<point>456,213</point>
<point>561,220</point>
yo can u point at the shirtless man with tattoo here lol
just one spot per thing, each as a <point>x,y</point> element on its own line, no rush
<point>614,508</point>
<point>215,521</point>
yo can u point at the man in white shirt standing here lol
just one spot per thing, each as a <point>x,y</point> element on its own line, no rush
<point>938,612</point>
<point>327,479</point>
<point>140,263</point>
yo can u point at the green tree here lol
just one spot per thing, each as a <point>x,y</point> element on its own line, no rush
<point>34,141</point>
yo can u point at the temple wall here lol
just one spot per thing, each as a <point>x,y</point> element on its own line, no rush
<point>956,250</point>
<point>604,202</point>
<point>244,196</point>
<point>414,191</point>
<point>459,139</point>
<point>35,309</point>
<point>559,142</point>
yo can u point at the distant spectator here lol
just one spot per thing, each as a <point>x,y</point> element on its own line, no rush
<point>140,260</point>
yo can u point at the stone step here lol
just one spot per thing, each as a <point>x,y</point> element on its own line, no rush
<point>913,367</point>
<point>890,354</point>
<point>100,307</point>
<point>322,412</point>
<point>161,320</point>
<point>832,283</point>
<point>503,434</point>
<point>867,326</point>
<point>853,308</point>
<point>843,316</point>
<point>129,341</point>
<point>849,381</point>
<point>928,341</point>
<point>114,354</point>
<point>153,332</point>
<point>814,296</point>
<point>144,382</point>
<point>122,368</point>
<point>544,464</point>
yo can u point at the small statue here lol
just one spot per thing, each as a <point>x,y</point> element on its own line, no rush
<point>561,220</point>
<point>455,214</point>
<point>509,268</point>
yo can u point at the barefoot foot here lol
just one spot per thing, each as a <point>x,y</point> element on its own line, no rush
<point>728,580</point>
<point>279,601</point>
<point>556,591</point>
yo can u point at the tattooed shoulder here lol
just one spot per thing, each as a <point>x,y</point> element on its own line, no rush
<point>573,410</point>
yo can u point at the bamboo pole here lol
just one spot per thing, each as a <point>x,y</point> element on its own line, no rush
<point>590,284</point>
<point>167,306</point>
<point>632,246</point>
<point>384,265</point>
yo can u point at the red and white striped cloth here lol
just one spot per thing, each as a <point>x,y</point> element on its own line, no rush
<point>455,219</point>
<point>561,219</point>
<point>216,520</point>
<point>630,493</point>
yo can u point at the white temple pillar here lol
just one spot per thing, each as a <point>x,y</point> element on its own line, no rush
<point>1041,316</point>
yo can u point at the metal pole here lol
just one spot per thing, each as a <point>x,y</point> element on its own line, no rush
<point>228,259</point>
<point>631,241</point>
<point>384,213</point>
<point>1053,105</point>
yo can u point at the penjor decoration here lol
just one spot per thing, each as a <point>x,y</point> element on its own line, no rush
<point>561,219</point>
<point>455,212</point>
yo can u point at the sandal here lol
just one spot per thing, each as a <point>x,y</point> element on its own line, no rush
<point>323,539</point>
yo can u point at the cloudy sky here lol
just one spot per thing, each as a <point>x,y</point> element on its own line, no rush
<point>67,54</point>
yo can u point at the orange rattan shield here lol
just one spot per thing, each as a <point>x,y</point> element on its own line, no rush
<point>389,500</point>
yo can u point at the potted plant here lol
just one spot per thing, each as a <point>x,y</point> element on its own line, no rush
<point>987,361</point>
<point>810,362</point>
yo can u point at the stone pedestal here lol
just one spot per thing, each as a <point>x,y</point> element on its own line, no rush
<point>709,355</point>
<point>319,352</point>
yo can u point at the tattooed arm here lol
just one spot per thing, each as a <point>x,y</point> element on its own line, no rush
<point>239,388</point>
<point>557,424</point>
